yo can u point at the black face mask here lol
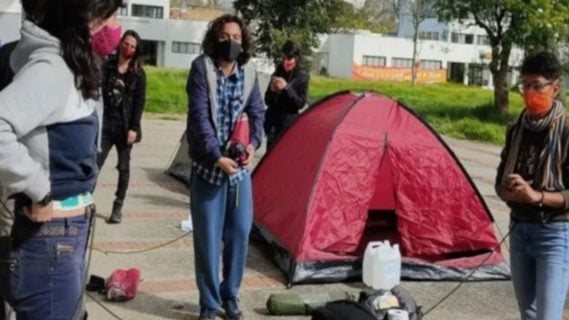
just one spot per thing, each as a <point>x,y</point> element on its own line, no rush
<point>228,50</point>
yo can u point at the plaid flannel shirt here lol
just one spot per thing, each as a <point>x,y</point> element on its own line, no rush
<point>229,98</point>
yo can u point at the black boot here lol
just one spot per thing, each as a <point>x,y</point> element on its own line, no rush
<point>116,214</point>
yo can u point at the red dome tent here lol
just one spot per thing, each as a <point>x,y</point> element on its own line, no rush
<point>357,168</point>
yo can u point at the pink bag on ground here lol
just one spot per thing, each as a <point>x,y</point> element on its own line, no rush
<point>122,284</point>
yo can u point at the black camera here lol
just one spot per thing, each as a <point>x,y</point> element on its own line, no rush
<point>237,152</point>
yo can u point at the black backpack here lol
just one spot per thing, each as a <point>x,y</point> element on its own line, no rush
<point>365,309</point>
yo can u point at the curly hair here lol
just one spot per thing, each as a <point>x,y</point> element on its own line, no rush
<point>542,63</point>
<point>68,20</point>
<point>212,37</point>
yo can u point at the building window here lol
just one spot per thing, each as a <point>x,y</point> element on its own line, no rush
<point>186,47</point>
<point>429,35</point>
<point>374,61</point>
<point>482,40</point>
<point>462,38</point>
<point>401,62</point>
<point>431,64</point>
<point>123,11</point>
<point>147,11</point>
<point>445,36</point>
<point>455,37</point>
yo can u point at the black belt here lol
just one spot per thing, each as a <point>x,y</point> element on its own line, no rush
<point>541,216</point>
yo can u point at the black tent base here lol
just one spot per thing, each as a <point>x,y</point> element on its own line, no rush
<point>351,270</point>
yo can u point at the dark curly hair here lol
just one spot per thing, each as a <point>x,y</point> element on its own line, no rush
<point>543,63</point>
<point>212,37</point>
<point>68,20</point>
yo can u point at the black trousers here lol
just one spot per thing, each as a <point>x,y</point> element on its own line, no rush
<point>276,124</point>
<point>118,140</point>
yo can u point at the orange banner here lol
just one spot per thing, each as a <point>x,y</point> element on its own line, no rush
<point>360,72</point>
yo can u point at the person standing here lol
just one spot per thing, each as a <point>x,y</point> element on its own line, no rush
<point>48,134</point>
<point>124,95</point>
<point>286,94</point>
<point>533,179</point>
<point>6,218</point>
<point>222,86</point>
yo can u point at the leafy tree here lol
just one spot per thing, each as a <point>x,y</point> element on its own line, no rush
<point>352,18</point>
<point>546,24</point>
<point>382,12</point>
<point>529,23</point>
<point>274,21</point>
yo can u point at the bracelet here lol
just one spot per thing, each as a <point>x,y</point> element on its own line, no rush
<point>540,203</point>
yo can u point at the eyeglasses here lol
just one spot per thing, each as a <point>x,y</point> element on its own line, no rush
<point>535,86</point>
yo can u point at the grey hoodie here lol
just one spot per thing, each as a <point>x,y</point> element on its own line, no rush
<point>48,131</point>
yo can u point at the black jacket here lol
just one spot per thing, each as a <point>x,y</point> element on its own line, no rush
<point>6,73</point>
<point>292,99</point>
<point>134,98</point>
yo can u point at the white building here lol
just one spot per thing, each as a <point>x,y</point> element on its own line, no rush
<point>445,51</point>
<point>166,42</point>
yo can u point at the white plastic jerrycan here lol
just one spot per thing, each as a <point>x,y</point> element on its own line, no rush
<point>381,265</point>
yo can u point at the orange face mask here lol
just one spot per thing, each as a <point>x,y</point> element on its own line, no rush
<point>538,103</point>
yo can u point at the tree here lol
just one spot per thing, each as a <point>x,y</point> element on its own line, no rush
<point>274,21</point>
<point>382,12</point>
<point>416,11</point>
<point>352,18</point>
<point>507,23</point>
<point>546,24</point>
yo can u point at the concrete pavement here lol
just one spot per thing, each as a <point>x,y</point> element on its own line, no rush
<point>156,204</point>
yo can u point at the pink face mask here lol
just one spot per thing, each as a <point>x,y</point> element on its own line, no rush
<point>106,40</point>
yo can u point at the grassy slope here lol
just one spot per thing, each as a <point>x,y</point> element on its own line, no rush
<point>456,110</point>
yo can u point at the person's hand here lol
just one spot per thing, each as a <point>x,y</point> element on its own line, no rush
<point>227,165</point>
<point>279,83</point>
<point>39,213</point>
<point>131,137</point>
<point>272,86</point>
<point>522,190</point>
<point>250,154</point>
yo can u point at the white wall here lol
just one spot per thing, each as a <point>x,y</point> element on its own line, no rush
<point>341,55</point>
<point>167,31</point>
<point>13,6</point>
<point>377,45</point>
<point>346,49</point>
<point>9,27</point>
<point>10,20</point>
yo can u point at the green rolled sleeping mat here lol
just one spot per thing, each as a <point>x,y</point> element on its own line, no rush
<point>302,304</point>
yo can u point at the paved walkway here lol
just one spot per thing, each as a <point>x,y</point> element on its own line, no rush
<point>156,204</point>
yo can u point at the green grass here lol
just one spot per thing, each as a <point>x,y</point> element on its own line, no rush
<point>166,90</point>
<point>452,109</point>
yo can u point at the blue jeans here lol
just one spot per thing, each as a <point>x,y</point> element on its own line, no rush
<point>539,255</point>
<point>47,268</point>
<point>221,215</point>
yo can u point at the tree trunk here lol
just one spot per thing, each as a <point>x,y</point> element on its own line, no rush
<point>501,92</point>
<point>499,67</point>
<point>414,64</point>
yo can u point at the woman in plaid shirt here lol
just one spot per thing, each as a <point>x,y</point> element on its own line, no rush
<point>221,87</point>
